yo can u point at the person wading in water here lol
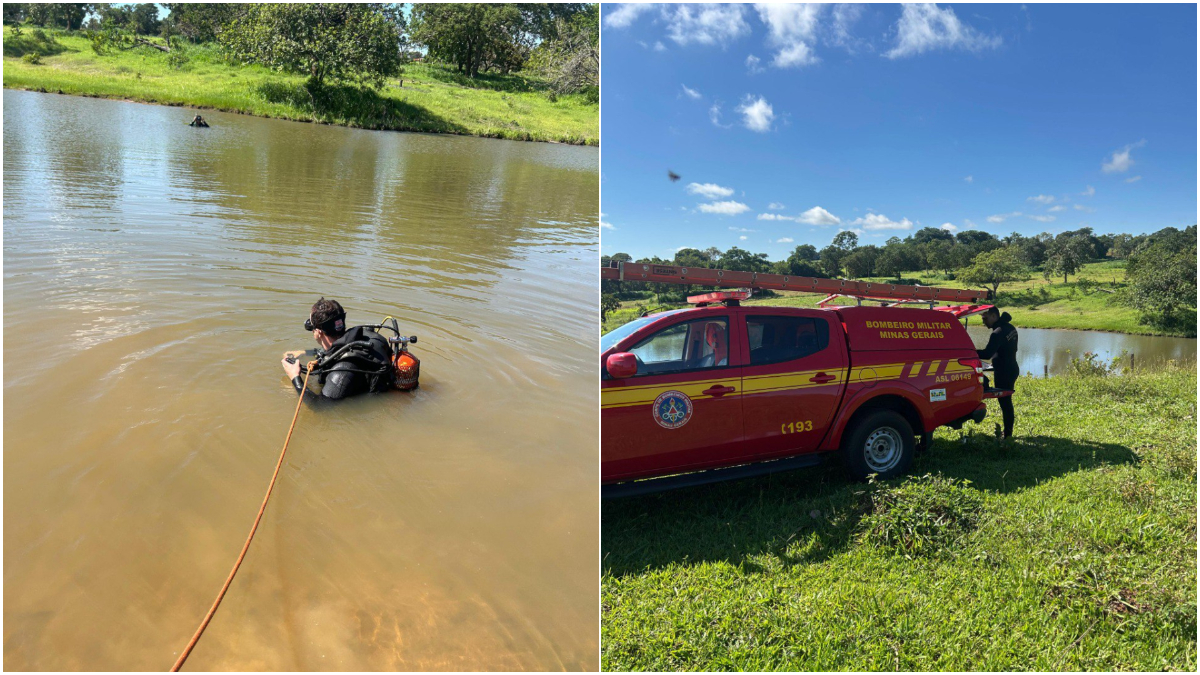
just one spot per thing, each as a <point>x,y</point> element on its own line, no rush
<point>1001,350</point>
<point>351,362</point>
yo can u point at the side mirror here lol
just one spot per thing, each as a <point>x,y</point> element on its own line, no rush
<point>621,365</point>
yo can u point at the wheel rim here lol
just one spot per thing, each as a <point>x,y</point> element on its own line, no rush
<point>883,449</point>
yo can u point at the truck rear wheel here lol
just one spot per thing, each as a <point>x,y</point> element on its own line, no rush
<point>882,443</point>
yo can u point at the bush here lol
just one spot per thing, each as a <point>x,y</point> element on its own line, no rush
<point>1091,365</point>
<point>923,515</point>
<point>32,58</point>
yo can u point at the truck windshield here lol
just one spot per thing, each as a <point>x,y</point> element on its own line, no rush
<point>611,339</point>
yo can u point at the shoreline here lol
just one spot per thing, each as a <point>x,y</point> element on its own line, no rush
<point>234,111</point>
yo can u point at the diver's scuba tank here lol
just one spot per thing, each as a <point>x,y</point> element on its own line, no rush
<point>408,370</point>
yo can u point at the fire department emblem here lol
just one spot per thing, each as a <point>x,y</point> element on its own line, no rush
<point>672,409</point>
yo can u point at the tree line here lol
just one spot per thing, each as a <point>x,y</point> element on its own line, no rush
<point>361,43</point>
<point>1161,267</point>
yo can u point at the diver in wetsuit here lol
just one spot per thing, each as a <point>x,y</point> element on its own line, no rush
<point>341,378</point>
<point>1001,350</point>
<point>198,121</point>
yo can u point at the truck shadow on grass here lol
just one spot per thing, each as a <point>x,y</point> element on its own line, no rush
<point>807,516</point>
<point>356,106</point>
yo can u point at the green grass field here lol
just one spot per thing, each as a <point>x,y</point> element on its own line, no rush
<point>1035,303</point>
<point>432,98</point>
<point>1071,548</point>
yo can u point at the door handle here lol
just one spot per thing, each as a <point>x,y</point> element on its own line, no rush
<point>718,390</point>
<point>822,378</point>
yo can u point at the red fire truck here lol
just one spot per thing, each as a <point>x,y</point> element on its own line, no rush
<point>722,391</point>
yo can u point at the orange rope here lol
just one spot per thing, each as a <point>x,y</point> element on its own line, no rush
<point>245,547</point>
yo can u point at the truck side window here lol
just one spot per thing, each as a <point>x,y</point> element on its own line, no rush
<point>692,345</point>
<point>775,339</point>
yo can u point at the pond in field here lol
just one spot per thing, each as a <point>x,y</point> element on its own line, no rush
<point>1049,350</point>
<point>153,275</point>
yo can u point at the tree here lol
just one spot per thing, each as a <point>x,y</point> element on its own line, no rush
<point>926,235</point>
<point>69,15</point>
<point>806,252</point>
<point>476,37</point>
<point>1163,275</point>
<point>608,303</point>
<point>861,262</point>
<point>937,253</point>
<point>14,13</point>
<point>845,240</point>
<point>352,42</point>
<point>995,267</point>
<point>744,261</point>
<point>202,21</point>
<point>1064,256</point>
<point>690,257</point>
<point>831,260</point>
<point>571,61</point>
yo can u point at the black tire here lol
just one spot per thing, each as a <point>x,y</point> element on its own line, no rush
<point>890,439</point>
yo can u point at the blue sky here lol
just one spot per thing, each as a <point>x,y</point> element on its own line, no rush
<point>788,123</point>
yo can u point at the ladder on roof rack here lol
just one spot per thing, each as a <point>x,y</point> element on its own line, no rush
<point>897,294</point>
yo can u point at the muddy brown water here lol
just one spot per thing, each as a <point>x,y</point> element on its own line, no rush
<point>154,273</point>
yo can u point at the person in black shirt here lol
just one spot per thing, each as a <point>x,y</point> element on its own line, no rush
<point>1001,350</point>
<point>328,321</point>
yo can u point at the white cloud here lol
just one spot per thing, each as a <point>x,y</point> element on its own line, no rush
<point>844,16</point>
<point>705,24</point>
<point>1089,191</point>
<point>878,221</point>
<point>970,179</point>
<point>795,55</point>
<point>968,223</point>
<point>774,216</point>
<point>1133,179</point>
<point>818,216</point>
<point>757,114</point>
<point>1121,159</point>
<point>659,46</point>
<point>784,240</point>
<point>752,64</point>
<point>1085,209</point>
<point>1001,217</point>
<point>714,115</point>
<point>1042,199</point>
<point>625,14</point>
<point>691,93</point>
<point>709,190</point>
<point>1042,219</point>
<point>1057,208</point>
<point>729,208</point>
<point>775,206</point>
<point>949,227</point>
<point>791,29</point>
<point>607,226</point>
<point>925,27</point>
<point>741,229</point>
<point>743,237</point>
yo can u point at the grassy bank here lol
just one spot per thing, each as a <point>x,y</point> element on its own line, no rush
<point>1090,301</point>
<point>1072,548</point>
<point>429,98</point>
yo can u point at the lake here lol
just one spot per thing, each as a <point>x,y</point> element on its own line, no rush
<point>153,276</point>
<point>1042,350</point>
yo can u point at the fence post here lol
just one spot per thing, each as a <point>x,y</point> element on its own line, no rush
<point>1045,370</point>
<point>1131,355</point>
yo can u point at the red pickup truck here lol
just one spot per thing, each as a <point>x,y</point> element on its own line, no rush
<point>759,389</point>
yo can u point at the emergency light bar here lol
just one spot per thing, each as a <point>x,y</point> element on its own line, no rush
<point>730,298</point>
<point>670,274</point>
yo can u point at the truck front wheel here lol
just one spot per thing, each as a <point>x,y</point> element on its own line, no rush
<point>882,443</point>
